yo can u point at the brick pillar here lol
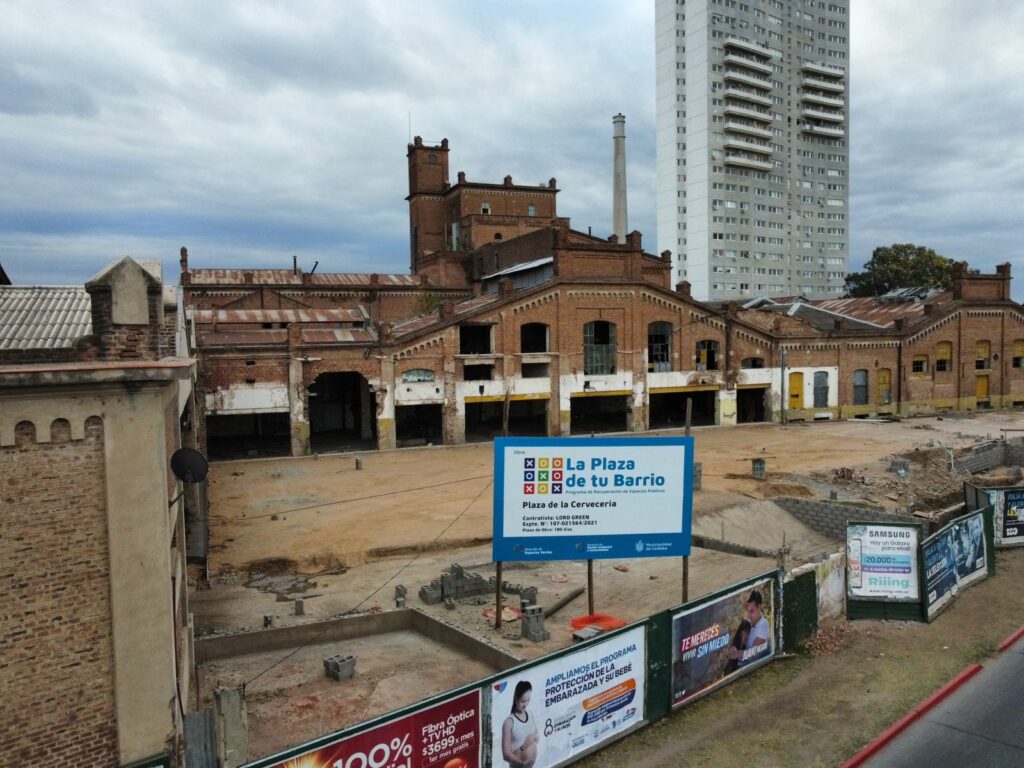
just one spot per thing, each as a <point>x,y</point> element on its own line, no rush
<point>297,410</point>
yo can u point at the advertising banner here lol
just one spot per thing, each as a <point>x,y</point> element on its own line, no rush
<point>1010,517</point>
<point>586,498</point>
<point>882,561</point>
<point>953,558</point>
<point>721,639</point>
<point>445,735</point>
<point>550,712</point>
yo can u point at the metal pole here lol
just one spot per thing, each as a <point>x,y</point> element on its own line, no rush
<point>497,598</point>
<point>590,587</point>
<point>689,414</point>
<point>782,387</point>
<point>686,578</point>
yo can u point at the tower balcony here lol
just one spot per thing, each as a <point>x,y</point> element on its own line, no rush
<point>747,94</point>
<point>835,131</point>
<point>746,160</point>
<point>827,115</point>
<point>748,61</point>
<point>737,43</point>
<point>749,145</point>
<point>818,68</point>
<point>823,99</point>
<point>748,78</point>
<point>749,112</point>
<point>821,84</point>
<point>749,127</point>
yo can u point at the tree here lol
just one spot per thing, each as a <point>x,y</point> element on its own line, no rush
<point>901,265</point>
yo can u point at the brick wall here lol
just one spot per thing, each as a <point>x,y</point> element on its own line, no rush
<point>56,668</point>
<point>830,518</point>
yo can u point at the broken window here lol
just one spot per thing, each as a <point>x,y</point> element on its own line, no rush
<point>707,355</point>
<point>659,347</point>
<point>478,372</point>
<point>598,348</point>
<point>533,338</point>
<point>860,386</point>
<point>943,356</point>
<point>474,339</point>
<point>752,362</point>
<point>981,358</point>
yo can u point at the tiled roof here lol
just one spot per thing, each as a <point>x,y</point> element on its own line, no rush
<point>243,338</point>
<point>43,317</point>
<point>339,335</point>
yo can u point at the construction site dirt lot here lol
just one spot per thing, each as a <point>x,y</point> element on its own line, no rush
<point>341,538</point>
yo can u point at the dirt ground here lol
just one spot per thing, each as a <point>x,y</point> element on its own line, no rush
<point>341,539</point>
<point>817,711</point>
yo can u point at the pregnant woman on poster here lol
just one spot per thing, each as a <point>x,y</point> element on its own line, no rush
<point>519,732</point>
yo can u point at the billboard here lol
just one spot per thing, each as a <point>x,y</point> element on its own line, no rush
<point>545,714</point>
<point>954,558</point>
<point>723,638</point>
<point>445,735</point>
<point>1010,516</point>
<point>882,561</point>
<point>585,498</point>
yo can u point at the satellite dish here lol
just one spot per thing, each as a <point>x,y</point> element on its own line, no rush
<point>189,465</point>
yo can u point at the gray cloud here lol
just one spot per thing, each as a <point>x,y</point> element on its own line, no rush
<point>250,131</point>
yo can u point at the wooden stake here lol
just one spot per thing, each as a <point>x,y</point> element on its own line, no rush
<point>590,586</point>
<point>497,599</point>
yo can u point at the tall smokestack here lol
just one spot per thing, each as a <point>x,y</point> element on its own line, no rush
<point>619,177</point>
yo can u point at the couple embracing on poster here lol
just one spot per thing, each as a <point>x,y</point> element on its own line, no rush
<point>751,640</point>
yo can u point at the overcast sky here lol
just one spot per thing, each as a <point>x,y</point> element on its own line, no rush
<point>252,131</point>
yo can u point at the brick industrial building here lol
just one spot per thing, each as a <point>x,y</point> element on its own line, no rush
<point>512,319</point>
<point>95,651</point>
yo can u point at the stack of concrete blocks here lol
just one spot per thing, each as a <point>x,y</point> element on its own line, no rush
<point>528,596</point>
<point>340,667</point>
<point>455,584</point>
<point>533,624</point>
<point>400,592</point>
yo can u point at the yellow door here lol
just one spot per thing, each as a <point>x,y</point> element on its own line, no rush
<point>981,389</point>
<point>884,387</point>
<point>796,391</point>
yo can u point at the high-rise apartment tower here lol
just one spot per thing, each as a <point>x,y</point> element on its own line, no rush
<point>753,137</point>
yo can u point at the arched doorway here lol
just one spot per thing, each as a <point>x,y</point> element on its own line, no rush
<point>342,413</point>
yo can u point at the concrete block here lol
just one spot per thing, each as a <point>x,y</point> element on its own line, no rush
<point>449,603</point>
<point>268,620</point>
<point>300,608</point>
<point>401,591</point>
<point>586,633</point>
<point>340,667</point>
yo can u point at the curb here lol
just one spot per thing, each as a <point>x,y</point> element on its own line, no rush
<point>912,716</point>
<point>1011,639</point>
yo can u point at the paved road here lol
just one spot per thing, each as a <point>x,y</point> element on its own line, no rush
<point>981,725</point>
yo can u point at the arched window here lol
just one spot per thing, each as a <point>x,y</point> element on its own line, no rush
<point>1018,353</point>
<point>707,355</point>
<point>943,356</point>
<point>531,210</point>
<point>752,362</point>
<point>860,386</point>
<point>982,360</point>
<point>919,364</point>
<point>533,338</point>
<point>598,348</point>
<point>659,347</point>
<point>417,374</point>
<point>485,208</point>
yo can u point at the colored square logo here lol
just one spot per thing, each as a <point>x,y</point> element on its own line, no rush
<point>556,475</point>
<point>542,487</point>
<point>557,463</point>
<point>556,487</point>
<point>529,475</point>
<point>528,463</point>
<point>528,488</point>
<point>542,475</point>
<point>543,463</point>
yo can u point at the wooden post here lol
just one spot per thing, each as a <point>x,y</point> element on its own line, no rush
<point>590,587</point>
<point>497,598</point>
<point>686,578</point>
<point>689,414</point>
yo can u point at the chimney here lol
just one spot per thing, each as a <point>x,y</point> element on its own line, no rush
<point>683,288</point>
<point>447,309</point>
<point>619,177</point>
<point>184,259</point>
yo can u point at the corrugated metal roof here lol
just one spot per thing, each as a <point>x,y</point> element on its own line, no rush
<point>242,338</point>
<point>520,267</point>
<point>413,324</point>
<point>884,313</point>
<point>199,277</point>
<point>43,317</point>
<point>479,302</point>
<point>339,335</point>
<point>241,316</point>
